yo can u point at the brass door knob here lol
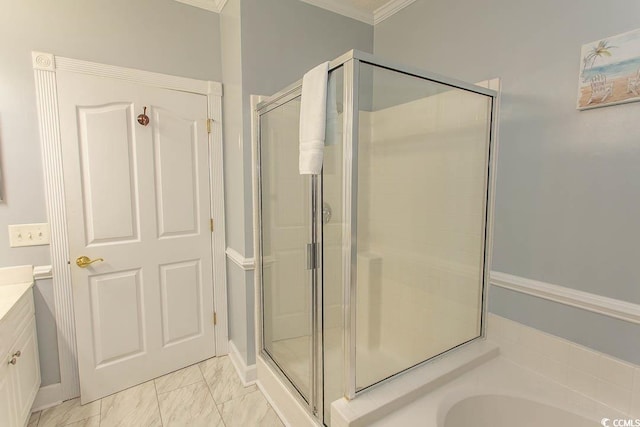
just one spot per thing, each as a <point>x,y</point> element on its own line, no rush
<point>13,361</point>
<point>85,261</point>
<point>17,354</point>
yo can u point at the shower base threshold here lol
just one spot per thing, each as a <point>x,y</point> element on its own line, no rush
<point>406,388</point>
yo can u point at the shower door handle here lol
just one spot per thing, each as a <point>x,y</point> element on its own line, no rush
<point>312,256</point>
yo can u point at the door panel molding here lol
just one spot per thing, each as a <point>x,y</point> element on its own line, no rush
<point>127,287</point>
<point>174,278</point>
<point>45,66</point>
<point>100,194</point>
<point>177,208</point>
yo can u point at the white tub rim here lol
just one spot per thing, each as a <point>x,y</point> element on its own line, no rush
<point>459,395</point>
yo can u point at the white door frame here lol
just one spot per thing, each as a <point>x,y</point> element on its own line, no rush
<point>45,66</point>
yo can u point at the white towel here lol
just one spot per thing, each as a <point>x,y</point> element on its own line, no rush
<point>313,118</point>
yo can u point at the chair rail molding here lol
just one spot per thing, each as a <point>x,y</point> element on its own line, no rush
<point>611,307</point>
<point>41,272</point>
<point>239,260</point>
<point>45,66</point>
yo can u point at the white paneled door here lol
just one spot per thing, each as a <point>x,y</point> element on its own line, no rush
<point>138,206</point>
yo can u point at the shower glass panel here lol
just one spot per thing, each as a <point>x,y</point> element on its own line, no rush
<point>422,153</point>
<point>286,219</point>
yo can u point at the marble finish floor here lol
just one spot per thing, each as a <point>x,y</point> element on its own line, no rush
<point>206,394</point>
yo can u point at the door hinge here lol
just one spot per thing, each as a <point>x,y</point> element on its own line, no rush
<point>211,224</point>
<point>209,121</point>
<point>215,318</point>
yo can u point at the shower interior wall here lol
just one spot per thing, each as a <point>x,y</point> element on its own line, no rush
<point>418,244</point>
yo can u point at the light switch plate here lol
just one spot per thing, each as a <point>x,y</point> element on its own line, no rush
<point>29,235</point>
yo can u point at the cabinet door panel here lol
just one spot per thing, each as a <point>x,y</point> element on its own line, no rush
<point>7,398</point>
<point>26,372</point>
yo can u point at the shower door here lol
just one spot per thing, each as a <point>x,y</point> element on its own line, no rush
<point>289,256</point>
<point>299,250</point>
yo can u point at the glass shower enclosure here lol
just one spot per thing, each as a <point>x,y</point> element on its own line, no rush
<point>380,263</point>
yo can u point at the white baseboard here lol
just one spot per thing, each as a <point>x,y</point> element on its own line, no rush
<point>47,396</point>
<point>247,374</point>
<point>617,309</point>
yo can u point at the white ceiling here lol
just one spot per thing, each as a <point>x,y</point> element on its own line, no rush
<point>369,11</point>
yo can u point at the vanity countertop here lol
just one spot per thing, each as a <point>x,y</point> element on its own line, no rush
<point>14,283</point>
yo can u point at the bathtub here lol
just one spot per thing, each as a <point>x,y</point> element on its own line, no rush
<point>507,411</point>
<point>500,393</point>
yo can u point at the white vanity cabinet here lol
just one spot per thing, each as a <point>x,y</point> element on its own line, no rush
<point>19,365</point>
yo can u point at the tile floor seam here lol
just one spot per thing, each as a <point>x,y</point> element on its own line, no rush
<point>219,412</point>
<point>158,402</point>
<point>231,398</point>
<point>179,388</point>
<point>197,364</point>
<point>219,406</point>
<point>215,404</point>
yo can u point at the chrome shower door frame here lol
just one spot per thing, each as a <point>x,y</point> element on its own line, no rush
<point>315,403</point>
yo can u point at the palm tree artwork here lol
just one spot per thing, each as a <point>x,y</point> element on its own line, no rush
<point>609,71</point>
<point>602,49</point>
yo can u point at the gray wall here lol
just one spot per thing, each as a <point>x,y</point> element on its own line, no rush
<point>157,35</point>
<point>568,199</point>
<point>230,33</point>
<point>46,331</point>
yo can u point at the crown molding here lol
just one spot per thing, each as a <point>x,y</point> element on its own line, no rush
<point>336,6</point>
<point>210,5</point>
<point>380,14</point>
<point>389,9</point>
<point>220,4</point>
<point>339,7</point>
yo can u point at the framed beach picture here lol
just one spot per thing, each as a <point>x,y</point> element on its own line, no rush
<point>610,71</point>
